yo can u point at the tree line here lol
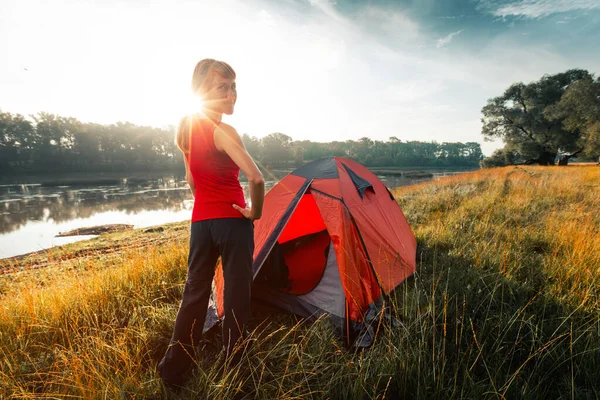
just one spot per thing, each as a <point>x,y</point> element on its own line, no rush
<point>546,121</point>
<point>45,143</point>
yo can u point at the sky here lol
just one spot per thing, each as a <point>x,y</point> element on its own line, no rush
<point>320,70</point>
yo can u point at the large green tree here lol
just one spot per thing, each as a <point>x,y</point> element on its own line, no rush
<point>518,117</point>
<point>579,111</point>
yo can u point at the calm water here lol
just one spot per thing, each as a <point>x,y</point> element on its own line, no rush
<point>31,215</point>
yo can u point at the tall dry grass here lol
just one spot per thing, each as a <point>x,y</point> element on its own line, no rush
<point>504,305</point>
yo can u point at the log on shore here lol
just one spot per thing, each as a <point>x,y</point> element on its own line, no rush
<point>96,230</point>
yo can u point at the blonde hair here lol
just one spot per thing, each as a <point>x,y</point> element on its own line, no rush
<point>183,137</point>
<point>202,80</point>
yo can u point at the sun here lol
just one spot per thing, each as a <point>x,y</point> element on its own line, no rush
<point>185,104</point>
<point>165,103</point>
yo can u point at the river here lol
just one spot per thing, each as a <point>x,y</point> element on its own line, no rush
<point>32,214</point>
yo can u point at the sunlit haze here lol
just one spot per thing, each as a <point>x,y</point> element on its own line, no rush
<point>317,70</point>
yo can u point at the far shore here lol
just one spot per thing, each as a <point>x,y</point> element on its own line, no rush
<point>84,178</point>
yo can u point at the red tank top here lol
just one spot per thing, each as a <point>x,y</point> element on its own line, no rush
<point>215,176</point>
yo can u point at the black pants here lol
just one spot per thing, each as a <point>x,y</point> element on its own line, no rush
<point>233,240</point>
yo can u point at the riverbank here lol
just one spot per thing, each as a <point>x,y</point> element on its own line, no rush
<point>99,252</point>
<point>505,303</point>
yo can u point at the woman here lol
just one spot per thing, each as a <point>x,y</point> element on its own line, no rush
<point>221,220</point>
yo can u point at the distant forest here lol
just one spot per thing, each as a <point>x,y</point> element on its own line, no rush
<point>46,143</point>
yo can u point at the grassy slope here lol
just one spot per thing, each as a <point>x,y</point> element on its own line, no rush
<point>505,304</point>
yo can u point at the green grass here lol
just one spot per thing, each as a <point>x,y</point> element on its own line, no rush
<point>505,304</point>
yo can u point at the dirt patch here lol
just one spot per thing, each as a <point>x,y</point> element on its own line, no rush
<point>102,250</point>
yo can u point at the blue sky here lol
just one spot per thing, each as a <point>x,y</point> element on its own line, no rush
<point>313,69</point>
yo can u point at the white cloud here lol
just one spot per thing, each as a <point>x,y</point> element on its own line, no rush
<point>319,3</point>
<point>327,7</point>
<point>410,91</point>
<point>445,40</point>
<point>266,18</point>
<point>565,20</point>
<point>396,24</point>
<point>536,8</point>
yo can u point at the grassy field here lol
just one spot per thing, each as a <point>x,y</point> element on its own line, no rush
<point>505,304</point>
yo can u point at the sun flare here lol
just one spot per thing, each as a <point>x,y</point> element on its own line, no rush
<point>187,104</point>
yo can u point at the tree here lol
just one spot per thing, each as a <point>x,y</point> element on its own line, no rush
<point>450,153</point>
<point>420,153</point>
<point>252,145</point>
<point>518,117</point>
<point>472,153</point>
<point>336,148</point>
<point>55,137</point>
<point>381,154</point>
<point>501,157</point>
<point>16,134</point>
<point>363,150</point>
<point>164,141</point>
<point>87,143</point>
<point>579,111</point>
<point>276,148</point>
<point>310,150</point>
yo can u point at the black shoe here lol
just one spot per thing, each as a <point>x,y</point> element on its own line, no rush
<point>170,383</point>
<point>174,387</point>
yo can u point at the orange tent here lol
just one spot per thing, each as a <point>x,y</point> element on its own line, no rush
<point>332,240</point>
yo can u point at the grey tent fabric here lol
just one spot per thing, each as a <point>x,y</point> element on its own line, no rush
<point>328,295</point>
<point>325,298</point>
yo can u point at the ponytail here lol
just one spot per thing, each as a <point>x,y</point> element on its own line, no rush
<point>183,138</point>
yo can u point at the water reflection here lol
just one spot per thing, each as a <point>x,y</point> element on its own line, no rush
<point>21,204</point>
<point>31,215</point>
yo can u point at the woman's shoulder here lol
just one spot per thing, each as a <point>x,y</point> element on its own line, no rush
<point>225,127</point>
<point>195,121</point>
<point>186,122</point>
<point>224,135</point>
<point>189,119</point>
